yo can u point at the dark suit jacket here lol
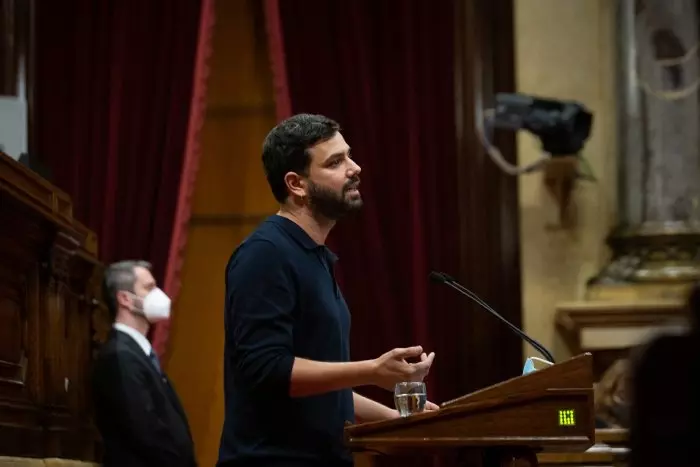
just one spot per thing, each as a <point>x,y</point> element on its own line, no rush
<point>137,410</point>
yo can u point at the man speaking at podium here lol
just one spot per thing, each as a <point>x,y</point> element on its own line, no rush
<point>288,376</point>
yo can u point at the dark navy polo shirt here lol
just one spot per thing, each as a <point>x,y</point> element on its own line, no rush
<point>282,302</point>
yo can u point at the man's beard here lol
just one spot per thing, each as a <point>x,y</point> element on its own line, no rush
<point>332,205</point>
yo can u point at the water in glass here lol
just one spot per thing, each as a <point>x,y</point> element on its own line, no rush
<point>410,398</point>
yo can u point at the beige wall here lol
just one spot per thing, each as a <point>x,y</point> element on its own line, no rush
<point>565,49</point>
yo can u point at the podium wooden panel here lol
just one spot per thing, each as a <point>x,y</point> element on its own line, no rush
<point>550,410</point>
<point>50,320</point>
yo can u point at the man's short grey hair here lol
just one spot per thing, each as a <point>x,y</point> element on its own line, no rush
<point>120,276</point>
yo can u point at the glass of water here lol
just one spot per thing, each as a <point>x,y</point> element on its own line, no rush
<point>410,397</point>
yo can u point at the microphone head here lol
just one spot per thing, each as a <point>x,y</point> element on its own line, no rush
<point>448,278</point>
<point>437,276</point>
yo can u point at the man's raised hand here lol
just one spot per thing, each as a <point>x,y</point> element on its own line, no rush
<point>392,367</point>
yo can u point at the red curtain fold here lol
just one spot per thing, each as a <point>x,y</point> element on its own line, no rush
<point>275,41</point>
<point>116,122</point>
<point>384,71</point>
<point>189,169</point>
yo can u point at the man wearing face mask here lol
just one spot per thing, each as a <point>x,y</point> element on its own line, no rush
<point>137,410</point>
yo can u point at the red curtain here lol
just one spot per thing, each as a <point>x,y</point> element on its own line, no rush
<point>189,169</point>
<point>115,121</point>
<point>384,71</point>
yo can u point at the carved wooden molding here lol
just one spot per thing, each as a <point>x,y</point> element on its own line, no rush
<point>32,190</point>
<point>577,320</point>
<point>54,205</point>
<point>49,286</point>
<point>14,372</point>
<point>13,319</point>
<point>62,250</point>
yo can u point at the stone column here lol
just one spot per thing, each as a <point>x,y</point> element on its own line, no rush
<point>657,241</point>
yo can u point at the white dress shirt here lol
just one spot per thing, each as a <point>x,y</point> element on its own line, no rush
<point>137,336</point>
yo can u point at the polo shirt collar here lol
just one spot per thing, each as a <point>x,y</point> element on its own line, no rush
<point>299,234</point>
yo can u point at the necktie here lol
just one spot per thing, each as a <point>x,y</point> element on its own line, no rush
<point>154,359</point>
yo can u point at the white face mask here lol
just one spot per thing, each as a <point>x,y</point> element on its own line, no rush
<point>155,306</point>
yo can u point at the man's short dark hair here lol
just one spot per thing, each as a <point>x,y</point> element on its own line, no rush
<point>285,148</point>
<point>120,276</point>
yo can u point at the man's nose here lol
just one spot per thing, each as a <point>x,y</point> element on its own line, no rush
<point>355,168</point>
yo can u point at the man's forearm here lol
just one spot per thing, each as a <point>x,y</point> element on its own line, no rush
<point>367,410</point>
<point>310,377</point>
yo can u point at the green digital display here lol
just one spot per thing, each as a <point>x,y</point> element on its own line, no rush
<point>567,417</point>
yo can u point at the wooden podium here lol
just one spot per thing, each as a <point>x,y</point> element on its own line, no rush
<point>550,410</point>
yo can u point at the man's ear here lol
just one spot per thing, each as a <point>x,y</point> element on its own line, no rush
<point>124,299</point>
<point>296,184</point>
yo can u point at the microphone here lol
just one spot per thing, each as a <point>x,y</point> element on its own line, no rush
<point>448,280</point>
